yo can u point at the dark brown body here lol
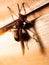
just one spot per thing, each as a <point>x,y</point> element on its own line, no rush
<point>20,25</point>
<point>20,29</point>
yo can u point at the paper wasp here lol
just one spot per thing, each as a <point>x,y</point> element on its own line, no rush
<point>20,26</point>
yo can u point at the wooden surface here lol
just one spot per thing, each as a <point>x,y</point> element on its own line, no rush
<point>39,12</point>
<point>38,4</point>
<point>4,12</point>
<point>10,50</point>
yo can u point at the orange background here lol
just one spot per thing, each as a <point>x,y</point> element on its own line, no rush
<point>10,50</point>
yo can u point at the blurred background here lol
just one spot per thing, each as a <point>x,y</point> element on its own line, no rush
<point>10,50</point>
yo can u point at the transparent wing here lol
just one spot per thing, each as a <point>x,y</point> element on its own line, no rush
<point>31,24</point>
<point>7,27</point>
<point>42,48</point>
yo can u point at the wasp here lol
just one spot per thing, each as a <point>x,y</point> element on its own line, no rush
<point>20,26</point>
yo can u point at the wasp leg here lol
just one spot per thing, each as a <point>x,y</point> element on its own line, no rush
<point>24,7</point>
<point>42,48</point>
<point>22,41</point>
<point>35,38</point>
<point>27,37</point>
<point>27,45</point>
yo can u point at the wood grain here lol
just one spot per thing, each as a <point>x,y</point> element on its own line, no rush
<point>32,56</point>
<point>10,51</point>
<point>38,4</point>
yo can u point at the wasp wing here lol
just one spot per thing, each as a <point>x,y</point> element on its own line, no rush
<point>31,24</point>
<point>42,48</point>
<point>7,27</point>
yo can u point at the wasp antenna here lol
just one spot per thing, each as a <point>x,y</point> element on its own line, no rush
<point>11,11</point>
<point>18,8</point>
<point>24,7</point>
<point>7,6</point>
